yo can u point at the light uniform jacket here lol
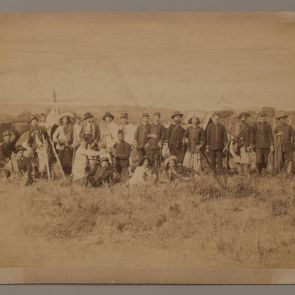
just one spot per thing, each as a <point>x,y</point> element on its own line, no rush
<point>129,131</point>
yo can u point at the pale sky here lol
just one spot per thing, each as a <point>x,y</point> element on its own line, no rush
<point>176,60</point>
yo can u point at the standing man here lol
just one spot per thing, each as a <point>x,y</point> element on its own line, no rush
<point>38,142</point>
<point>89,130</point>
<point>127,128</point>
<point>263,140</point>
<point>122,151</point>
<point>245,141</point>
<point>6,147</point>
<point>156,139</point>
<point>141,136</point>
<point>287,140</point>
<point>216,140</point>
<point>175,134</point>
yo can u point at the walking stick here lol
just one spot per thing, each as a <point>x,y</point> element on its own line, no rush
<point>47,159</point>
<point>57,158</point>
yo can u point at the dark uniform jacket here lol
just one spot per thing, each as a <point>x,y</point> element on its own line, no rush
<point>216,136</point>
<point>196,136</point>
<point>141,135</point>
<point>263,138</point>
<point>174,137</point>
<point>246,135</point>
<point>288,136</point>
<point>156,135</point>
<point>122,152</point>
<point>37,133</point>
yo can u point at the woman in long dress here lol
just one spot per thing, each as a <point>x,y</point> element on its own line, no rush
<point>109,131</point>
<point>194,138</point>
<point>63,137</point>
<point>143,173</point>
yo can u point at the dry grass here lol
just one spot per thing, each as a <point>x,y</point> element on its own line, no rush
<point>251,223</point>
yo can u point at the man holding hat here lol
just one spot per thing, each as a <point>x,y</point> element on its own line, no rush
<point>89,130</point>
<point>127,128</point>
<point>263,140</point>
<point>175,134</point>
<point>286,136</point>
<point>156,138</point>
<point>141,136</point>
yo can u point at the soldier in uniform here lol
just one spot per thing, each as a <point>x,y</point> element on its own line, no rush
<point>216,143</point>
<point>287,140</point>
<point>141,136</point>
<point>89,130</point>
<point>245,141</point>
<point>122,151</point>
<point>156,138</point>
<point>263,141</point>
<point>175,134</point>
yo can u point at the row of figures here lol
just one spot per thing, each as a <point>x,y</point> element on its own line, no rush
<point>94,154</point>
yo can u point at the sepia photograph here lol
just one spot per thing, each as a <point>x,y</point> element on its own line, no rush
<point>147,147</point>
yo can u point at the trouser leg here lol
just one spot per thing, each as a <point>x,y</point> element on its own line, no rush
<point>212,159</point>
<point>219,159</point>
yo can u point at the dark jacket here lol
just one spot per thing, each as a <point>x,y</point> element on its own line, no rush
<point>157,134</point>
<point>141,135</point>
<point>263,138</point>
<point>196,136</point>
<point>122,153</point>
<point>91,134</point>
<point>174,137</point>
<point>216,136</point>
<point>246,135</point>
<point>287,136</point>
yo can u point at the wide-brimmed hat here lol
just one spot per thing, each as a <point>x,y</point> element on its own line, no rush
<point>170,158</point>
<point>176,114</point>
<point>281,114</point>
<point>34,118</point>
<point>6,133</point>
<point>145,115</point>
<point>87,115</point>
<point>157,114</point>
<point>193,116</point>
<point>104,159</point>
<point>20,148</point>
<point>143,159</point>
<point>66,114</point>
<point>261,114</point>
<point>124,115</point>
<point>107,114</point>
<point>243,114</point>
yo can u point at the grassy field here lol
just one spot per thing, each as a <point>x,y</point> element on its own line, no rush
<point>188,223</point>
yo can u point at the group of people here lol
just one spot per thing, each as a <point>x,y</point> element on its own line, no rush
<point>97,154</point>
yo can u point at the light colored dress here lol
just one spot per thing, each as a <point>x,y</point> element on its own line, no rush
<point>141,175</point>
<point>109,134</point>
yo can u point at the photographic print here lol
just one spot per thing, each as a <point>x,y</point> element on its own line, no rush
<point>147,147</point>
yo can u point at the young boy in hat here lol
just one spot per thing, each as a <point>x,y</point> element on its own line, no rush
<point>141,136</point>
<point>156,139</point>
<point>175,134</point>
<point>263,141</point>
<point>287,141</point>
<point>89,129</point>
<point>216,141</point>
<point>122,151</point>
